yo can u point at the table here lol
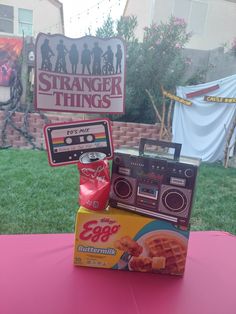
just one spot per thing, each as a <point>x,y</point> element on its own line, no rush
<point>37,276</point>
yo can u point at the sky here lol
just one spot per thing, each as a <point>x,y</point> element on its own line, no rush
<point>80,16</point>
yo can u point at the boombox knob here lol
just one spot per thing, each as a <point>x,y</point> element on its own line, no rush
<point>117,160</point>
<point>188,173</point>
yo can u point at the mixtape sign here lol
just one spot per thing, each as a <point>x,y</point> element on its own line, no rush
<point>66,142</point>
<point>79,75</point>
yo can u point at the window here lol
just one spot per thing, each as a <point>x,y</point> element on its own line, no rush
<point>198,17</point>
<point>6,19</point>
<point>193,12</point>
<point>182,9</point>
<point>25,26</point>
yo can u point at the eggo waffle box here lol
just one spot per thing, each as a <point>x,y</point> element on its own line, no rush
<point>122,240</point>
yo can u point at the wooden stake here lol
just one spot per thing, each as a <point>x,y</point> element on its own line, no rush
<point>227,145</point>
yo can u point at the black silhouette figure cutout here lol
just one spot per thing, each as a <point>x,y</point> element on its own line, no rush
<point>46,54</point>
<point>108,67</point>
<point>61,58</point>
<point>74,58</point>
<point>119,56</point>
<point>86,59</point>
<point>97,54</point>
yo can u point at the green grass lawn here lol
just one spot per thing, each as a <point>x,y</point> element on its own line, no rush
<point>37,198</point>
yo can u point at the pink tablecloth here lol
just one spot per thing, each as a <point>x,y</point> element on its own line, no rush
<point>37,277</point>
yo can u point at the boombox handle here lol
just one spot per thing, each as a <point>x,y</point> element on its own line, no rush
<point>145,141</point>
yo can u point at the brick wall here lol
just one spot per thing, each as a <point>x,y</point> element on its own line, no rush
<point>124,134</point>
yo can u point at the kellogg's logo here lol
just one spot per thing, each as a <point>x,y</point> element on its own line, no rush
<point>94,232</point>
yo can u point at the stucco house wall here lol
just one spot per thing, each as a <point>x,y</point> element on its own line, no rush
<point>47,16</point>
<point>212,22</point>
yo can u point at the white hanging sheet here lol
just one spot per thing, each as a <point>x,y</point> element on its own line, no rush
<point>202,127</point>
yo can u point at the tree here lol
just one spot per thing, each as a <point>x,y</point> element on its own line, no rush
<point>154,64</point>
<point>107,29</point>
<point>163,66</point>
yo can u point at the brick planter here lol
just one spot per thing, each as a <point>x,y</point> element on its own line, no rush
<point>124,134</point>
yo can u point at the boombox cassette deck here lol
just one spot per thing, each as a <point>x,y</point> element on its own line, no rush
<point>154,185</point>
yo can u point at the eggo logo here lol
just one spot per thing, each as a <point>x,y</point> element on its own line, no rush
<point>94,232</point>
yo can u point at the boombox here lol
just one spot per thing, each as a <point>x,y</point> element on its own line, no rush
<point>160,186</point>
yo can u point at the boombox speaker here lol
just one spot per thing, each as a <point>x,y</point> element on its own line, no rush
<point>154,184</point>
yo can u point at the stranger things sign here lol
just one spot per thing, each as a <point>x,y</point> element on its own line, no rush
<point>80,75</point>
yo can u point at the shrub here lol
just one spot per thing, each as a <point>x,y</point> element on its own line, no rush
<point>150,65</point>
